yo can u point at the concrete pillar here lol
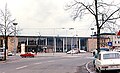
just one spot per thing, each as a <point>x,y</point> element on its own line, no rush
<point>54,44</point>
<point>46,41</point>
<point>71,43</point>
<point>27,41</point>
<point>79,43</point>
<point>63,45</point>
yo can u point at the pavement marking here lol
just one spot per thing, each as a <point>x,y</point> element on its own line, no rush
<point>3,72</point>
<point>21,67</point>
<point>51,61</point>
<point>90,57</point>
<point>71,56</point>
<point>38,63</point>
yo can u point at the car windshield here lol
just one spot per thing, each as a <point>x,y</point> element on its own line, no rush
<point>111,56</point>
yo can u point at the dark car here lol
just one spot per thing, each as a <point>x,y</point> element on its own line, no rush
<point>27,55</point>
<point>101,49</point>
<point>104,49</point>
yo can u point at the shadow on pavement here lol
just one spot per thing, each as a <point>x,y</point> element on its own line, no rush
<point>81,69</point>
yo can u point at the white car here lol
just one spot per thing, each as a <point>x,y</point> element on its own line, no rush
<point>82,51</point>
<point>107,60</point>
<point>73,51</point>
<point>10,53</point>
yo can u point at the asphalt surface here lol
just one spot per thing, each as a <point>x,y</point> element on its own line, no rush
<point>86,68</point>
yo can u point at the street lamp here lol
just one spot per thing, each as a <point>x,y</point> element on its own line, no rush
<point>92,38</point>
<point>92,32</point>
<point>66,36</point>
<point>15,38</point>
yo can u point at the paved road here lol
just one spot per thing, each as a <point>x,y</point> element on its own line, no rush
<point>48,63</point>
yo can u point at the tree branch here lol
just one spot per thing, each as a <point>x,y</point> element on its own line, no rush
<point>89,9</point>
<point>110,16</point>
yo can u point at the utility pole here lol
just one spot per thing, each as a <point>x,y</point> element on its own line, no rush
<point>92,39</point>
<point>15,38</point>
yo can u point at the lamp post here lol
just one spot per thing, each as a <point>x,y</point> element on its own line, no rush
<point>5,42</point>
<point>15,38</point>
<point>66,37</point>
<point>92,38</point>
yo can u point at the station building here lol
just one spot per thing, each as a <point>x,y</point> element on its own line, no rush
<point>56,43</point>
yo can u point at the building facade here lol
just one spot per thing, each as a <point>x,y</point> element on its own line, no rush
<point>59,44</point>
<point>48,43</point>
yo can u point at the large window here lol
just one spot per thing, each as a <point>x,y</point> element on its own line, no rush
<point>111,56</point>
<point>1,43</point>
<point>1,50</point>
<point>32,42</point>
<point>50,41</point>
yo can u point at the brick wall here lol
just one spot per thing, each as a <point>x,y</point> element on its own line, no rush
<point>11,43</point>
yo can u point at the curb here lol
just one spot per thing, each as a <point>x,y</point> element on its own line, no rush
<point>89,70</point>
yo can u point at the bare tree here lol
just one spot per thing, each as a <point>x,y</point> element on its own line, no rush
<point>104,13</point>
<point>6,25</point>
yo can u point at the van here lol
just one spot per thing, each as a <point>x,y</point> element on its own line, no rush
<point>1,54</point>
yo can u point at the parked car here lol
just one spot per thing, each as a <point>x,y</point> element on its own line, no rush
<point>27,55</point>
<point>101,49</point>
<point>82,51</point>
<point>73,51</point>
<point>10,53</point>
<point>104,49</point>
<point>107,60</point>
<point>1,53</point>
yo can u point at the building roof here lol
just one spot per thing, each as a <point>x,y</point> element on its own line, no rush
<point>104,34</point>
<point>107,34</point>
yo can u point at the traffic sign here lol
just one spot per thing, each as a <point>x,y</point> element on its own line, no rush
<point>109,43</point>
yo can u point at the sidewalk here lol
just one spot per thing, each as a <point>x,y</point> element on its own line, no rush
<point>11,58</point>
<point>17,57</point>
<point>58,54</point>
<point>51,54</point>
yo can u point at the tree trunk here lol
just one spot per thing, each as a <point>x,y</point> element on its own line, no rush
<point>98,39</point>
<point>5,45</point>
<point>98,27</point>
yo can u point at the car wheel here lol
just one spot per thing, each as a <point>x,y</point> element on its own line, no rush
<point>96,69</point>
<point>100,71</point>
<point>33,56</point>
<point>2,59</point>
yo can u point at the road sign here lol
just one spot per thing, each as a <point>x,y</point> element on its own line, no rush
<point>109,43</point>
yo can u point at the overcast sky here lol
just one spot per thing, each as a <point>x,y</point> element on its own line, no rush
<point>46,17</point>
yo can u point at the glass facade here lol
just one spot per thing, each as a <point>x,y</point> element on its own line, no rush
<point>51,44</point>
